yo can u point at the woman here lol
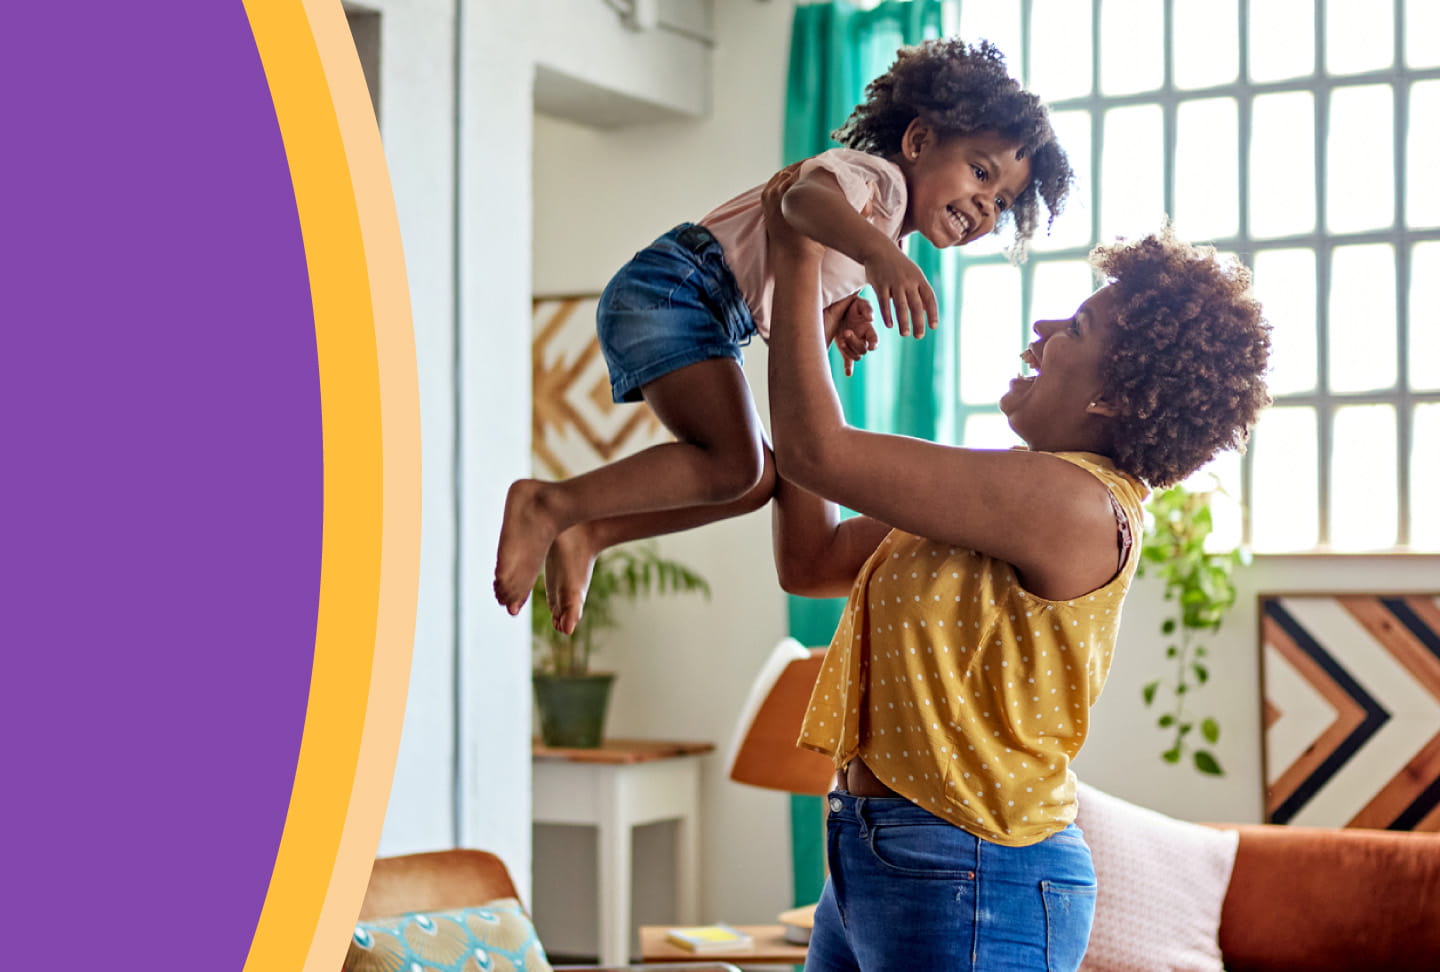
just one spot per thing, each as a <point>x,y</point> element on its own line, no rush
<point>984,597</point>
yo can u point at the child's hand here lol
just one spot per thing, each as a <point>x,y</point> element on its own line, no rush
<point>901,285</point>
<point>850,324</point>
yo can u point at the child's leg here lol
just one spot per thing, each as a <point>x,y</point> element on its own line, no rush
<point>572,555</point>
<point>718,459</point>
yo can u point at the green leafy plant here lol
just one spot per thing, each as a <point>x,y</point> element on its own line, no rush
<point>620,573</point>
<point>1201,584</point>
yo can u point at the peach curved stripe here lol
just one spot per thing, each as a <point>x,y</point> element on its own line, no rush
<point>370,415</point>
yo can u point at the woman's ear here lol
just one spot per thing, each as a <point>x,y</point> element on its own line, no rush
<point>1101,407</point>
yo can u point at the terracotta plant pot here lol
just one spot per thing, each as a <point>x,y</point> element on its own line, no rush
<point>572,708</point>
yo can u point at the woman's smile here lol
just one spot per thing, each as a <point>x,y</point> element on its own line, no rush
<point>1061,377</point>
<point>1029,368</point>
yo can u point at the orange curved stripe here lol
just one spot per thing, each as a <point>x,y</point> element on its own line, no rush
<point>370,421</point>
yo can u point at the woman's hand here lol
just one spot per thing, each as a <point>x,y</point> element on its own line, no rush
<point>782,235</point>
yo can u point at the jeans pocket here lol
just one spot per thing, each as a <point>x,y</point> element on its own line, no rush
<point>924,850</point>
<point>1069,910</point>
<point>649,281</point>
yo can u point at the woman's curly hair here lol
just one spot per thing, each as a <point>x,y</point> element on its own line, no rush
<point>962,89</point>
<point>1188,353</point>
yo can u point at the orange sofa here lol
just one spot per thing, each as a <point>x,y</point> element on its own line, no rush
<point>1323,900</point>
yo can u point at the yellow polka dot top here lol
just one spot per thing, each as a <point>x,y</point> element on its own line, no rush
<point>961,690</point>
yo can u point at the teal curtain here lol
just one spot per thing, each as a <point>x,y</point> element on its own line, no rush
<point>836,48</point>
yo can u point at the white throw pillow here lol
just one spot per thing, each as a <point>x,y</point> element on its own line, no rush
<point>1161,882</point>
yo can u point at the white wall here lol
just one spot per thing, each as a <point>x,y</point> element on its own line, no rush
<point>595,69</point>
<point>497,72</point>
<point>417,87</point>
<point>467,254</point>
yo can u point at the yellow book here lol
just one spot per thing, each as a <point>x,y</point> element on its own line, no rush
<point>709,938</point>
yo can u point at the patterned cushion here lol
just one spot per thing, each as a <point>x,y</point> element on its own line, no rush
<point>1161,883</point>
<point>495,937</point>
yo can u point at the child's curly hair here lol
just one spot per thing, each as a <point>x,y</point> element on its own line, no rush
<point>962,89</point>
<point>1188,353</point>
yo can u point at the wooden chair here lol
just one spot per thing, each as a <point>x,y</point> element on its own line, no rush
<point>763,752</point>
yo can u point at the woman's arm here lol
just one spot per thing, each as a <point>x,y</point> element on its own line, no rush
<point>1048,517</point>
<point>816,553</point>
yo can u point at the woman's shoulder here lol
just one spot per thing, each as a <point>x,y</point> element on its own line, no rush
<point>1126,487</point>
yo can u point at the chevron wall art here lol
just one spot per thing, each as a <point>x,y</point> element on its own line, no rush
<point>574,424</point>
<point>1352,710</point>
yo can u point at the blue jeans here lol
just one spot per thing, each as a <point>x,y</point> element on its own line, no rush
<point>910,892</point>
<point>674,304</point>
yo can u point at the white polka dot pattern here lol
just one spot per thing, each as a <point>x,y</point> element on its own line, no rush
<point>963,691</point>
<point>1161,882</point>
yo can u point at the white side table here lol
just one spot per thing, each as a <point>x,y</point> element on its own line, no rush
<point>624,784</point>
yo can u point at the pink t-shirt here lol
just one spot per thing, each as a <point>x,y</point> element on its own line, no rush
<point>874,186</point>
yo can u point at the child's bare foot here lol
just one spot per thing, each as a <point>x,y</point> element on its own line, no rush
<point>526,533</point>
<point>567,576</point>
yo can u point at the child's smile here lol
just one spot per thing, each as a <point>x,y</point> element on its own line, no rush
<point>962,222</point>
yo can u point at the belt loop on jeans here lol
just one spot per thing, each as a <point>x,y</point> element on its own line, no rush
<point>862,813</point>
<point>694,237</point>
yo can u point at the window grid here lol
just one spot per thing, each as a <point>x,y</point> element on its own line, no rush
<point>1320,240</point>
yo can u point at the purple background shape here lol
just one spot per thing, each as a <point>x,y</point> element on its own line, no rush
<point>160,547</point>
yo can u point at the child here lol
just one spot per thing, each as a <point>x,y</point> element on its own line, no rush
<point>946,144</point>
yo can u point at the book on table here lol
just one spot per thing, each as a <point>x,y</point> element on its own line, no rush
<point>709,938</point>
<point>798,923</point>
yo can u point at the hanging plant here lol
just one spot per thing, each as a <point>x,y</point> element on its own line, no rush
<point>1201,585</point>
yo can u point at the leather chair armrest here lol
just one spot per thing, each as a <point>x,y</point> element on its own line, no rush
<point>438,881</point>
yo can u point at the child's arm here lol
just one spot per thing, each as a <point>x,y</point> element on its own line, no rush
<point>850,326</point>
<point>816,206</point>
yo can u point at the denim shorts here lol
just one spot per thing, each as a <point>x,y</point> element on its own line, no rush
<point>675,303</point>
<point>910,891</point>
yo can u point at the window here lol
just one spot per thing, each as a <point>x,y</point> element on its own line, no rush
<point>1299,135</point>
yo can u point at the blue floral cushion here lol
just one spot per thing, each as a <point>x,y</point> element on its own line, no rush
<point>496,937</point>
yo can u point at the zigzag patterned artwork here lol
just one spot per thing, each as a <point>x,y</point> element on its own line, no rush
<point>1352,710</point>
<point>574,424</point>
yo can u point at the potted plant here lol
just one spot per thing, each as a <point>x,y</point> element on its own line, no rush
<point>1201,583</point>
<point>572,700</point>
